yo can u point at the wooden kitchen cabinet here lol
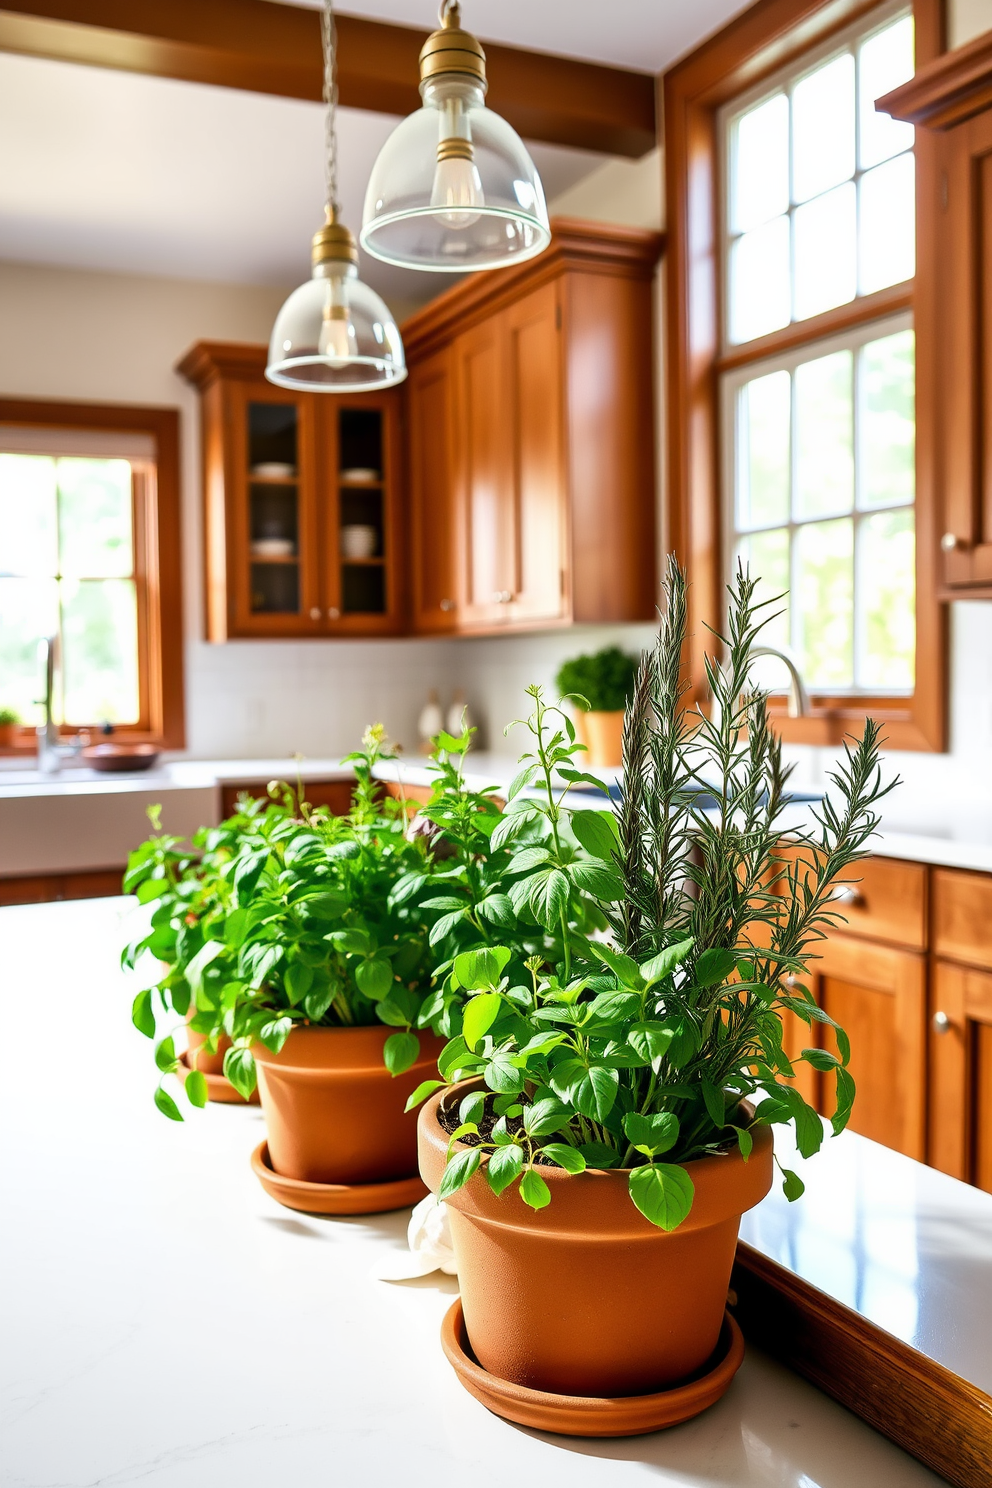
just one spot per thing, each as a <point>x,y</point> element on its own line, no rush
<point>878,996</point>
<point>434,586</point>
<point>531,429</point>
<point>950,101</point>
<point>289,478</point>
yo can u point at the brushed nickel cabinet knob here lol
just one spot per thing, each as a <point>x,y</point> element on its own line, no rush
<point>315,612</point>
<point>941,1023</point>
<point>949,542</point>
<point>447,605</point>
<point>334,613</point>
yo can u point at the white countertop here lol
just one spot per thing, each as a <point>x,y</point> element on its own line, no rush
<point>100,829</point>
<point>165,1324</point>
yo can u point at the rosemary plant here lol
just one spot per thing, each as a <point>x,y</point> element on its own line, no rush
<point>655,1043</point>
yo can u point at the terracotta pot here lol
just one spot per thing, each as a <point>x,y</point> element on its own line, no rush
<point>585,1296</point>
<point>8,735</point>
<point>333,1112</point>
<point>210,1064</point>
<point>604,737</point>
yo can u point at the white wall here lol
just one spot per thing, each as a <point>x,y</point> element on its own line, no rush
<point>116,338</point>
<point>966,19</point>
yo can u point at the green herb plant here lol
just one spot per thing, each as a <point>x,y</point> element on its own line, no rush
<point>644,1052</point>
<point>601,683</point>
<point>9,716</point>
<point>284,915</point>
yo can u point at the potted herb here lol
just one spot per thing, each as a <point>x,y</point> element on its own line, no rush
<point>189,891</point>
<point>600,687</point>
<point>607,1122</point>
<point>310,943</point>
<point>10,722</point>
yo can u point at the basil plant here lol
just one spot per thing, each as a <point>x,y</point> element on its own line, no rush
<point>663,1041</point>
<point>285,916</point>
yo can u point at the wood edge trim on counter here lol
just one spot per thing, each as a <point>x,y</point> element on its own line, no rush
<point>946,90</point>
<point>275,49</point>
<point>162,569</point>
<point>592,247</point>
<point>927,1410</point>
<point>757,43</point>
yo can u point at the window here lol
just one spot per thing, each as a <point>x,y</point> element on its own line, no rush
<point>819,477</point>
<point>820,187</point>
<point>89,556</point>
<point>822,480</point>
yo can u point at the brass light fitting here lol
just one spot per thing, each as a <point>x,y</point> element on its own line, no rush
<point>451,49</point>
<point>334,242</point>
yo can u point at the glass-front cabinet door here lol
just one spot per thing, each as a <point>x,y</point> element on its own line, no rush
<point>272,509</point>
<point>300,503</point>
<point>361,548</point>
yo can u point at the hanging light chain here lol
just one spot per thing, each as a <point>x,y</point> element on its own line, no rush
<point>329,37</point>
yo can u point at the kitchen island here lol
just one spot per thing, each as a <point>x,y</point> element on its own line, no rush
<point>166,1324</point>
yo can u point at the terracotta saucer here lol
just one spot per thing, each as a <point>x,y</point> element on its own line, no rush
<point>335,1198</point>
<point>585,1415</point>
<point>219,1087</point>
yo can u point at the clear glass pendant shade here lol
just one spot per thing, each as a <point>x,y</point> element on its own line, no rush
<point>334,334</point>
<point>454,187</point>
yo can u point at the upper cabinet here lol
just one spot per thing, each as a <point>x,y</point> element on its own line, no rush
<point>950,101</point>
<point>527,464</point>
<point>531,412</point>
<point>301,503</point>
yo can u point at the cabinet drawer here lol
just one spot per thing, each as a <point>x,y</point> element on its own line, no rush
<point>885,899</point>
<point>962,916</point>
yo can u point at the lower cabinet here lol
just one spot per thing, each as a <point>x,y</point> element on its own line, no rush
<point>335,794</point>
<point>960,1093</point>
<point>878,996</point>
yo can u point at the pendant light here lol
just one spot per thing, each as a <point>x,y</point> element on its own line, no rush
<point>334,334</point>
<point>454,187</point>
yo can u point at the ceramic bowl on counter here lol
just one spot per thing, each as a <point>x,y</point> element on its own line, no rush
<point>115,758</point>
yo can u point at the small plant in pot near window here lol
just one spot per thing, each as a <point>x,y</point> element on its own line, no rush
<point>10,722</point>
<point>607,1122</point>
<point>599,688</point>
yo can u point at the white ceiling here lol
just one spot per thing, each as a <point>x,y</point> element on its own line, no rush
<point>644,34</point>
<point>116,171</point>
<point>127,173</point>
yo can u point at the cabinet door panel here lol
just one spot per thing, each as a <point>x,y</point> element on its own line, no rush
<point>435,538</point>
<point>273,431</point>
<point>962,916</point>
<point>484,475</point>
<point>962,232</point>
<point>960,1098</point>
<point>535,396</point>
<point>878,996</point>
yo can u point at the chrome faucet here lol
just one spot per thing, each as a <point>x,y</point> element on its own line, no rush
<point>52,749</point>
<point>798,706</point>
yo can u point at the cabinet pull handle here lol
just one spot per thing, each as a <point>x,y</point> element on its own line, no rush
<point>315,612</point>
<point>447,605</point>
<point>503,596</point>
<point>334,613</point>
<point>941,1023</point>
<point>949,542</point>
<point>848,894</point>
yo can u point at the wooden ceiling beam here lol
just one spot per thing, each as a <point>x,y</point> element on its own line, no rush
<point>267,48</point>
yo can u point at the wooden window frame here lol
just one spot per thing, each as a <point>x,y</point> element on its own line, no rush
<point>157,557</point>
<point>771,35</point>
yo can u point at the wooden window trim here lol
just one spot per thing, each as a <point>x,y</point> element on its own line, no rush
<point>770,35</point>
<point>158,566</point>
